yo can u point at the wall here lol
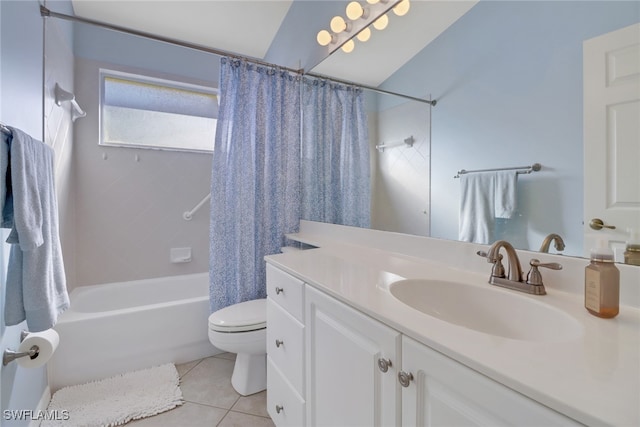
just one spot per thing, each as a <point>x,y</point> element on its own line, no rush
<point>130,202</point>
<point>21,100</point>
<point>508,80</point>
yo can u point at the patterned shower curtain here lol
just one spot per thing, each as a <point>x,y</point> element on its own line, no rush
<point>255,185</point>
<point>335,154</point>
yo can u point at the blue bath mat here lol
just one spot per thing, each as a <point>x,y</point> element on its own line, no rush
<point>117,400</point>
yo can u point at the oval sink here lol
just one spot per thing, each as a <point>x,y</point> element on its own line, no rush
<point>487,310</point>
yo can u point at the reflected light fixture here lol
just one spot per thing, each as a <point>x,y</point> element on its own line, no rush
<point>348,46</point>
<point>354,11</point>
<point>364,35</point>
<point>381,23</point>
<point>402,8</point>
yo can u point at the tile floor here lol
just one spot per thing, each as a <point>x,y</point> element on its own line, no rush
<point>210,400</point>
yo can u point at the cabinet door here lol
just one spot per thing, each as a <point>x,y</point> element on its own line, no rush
<point>443,392</point>
<point>345,386</point>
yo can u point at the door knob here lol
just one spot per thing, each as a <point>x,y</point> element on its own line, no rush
<point>598,224</point>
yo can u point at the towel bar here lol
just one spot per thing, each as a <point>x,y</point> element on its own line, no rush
<point>524,169</point>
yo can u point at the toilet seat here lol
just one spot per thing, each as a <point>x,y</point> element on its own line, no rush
<point>243,317</point>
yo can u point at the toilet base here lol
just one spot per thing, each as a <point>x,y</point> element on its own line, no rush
<point>249,373</point>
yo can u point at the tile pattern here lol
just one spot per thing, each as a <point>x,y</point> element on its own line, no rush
<point>210,400</point>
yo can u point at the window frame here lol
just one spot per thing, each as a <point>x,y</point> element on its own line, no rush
<point>152,80</point>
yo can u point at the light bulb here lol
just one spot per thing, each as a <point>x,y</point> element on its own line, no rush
<point>381,23</point>
<point>324,37</point>
<point>354,10</point>
<point>364,35</point>
<point>348,46</point>
<point>337,24</point>
<point>402,8</point>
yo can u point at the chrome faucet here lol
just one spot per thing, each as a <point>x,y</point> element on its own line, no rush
<point>514,279</point>
<point>558,243</point>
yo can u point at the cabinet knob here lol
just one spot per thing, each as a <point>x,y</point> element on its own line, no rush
<point>279,408</point>
<point>279,343</point>
<point>279,290</point>
<point>383,364</point>
<point>405,378</point>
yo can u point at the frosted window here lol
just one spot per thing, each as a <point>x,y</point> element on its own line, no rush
<point>152,113</point>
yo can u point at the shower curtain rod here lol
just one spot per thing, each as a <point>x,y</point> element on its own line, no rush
<point>47,13</point>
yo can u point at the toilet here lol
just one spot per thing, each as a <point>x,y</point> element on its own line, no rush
<point>242,329</point>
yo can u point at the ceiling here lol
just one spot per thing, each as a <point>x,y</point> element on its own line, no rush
<point>283,31</point>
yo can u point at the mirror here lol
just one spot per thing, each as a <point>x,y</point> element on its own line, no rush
<point>508,80</point>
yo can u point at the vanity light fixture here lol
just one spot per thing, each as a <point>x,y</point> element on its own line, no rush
<point>359,19</point>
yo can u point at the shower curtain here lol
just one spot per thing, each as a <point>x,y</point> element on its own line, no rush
<point>335,154</point>
<point>255,184</point>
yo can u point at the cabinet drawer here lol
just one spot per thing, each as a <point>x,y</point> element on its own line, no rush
<point>286,290</point>
<point>285,344</point>
<point>285,406</point>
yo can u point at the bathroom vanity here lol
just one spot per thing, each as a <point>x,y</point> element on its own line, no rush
<point>350,343</point>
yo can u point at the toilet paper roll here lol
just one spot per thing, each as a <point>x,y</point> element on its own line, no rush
<point>47,342</point>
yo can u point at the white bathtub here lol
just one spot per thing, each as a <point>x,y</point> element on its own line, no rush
<point>119,327</point>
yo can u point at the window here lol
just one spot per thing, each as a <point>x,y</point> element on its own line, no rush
<point>145,112</point>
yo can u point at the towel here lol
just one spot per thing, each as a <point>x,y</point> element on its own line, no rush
<point>477,207</point>
<point>485,196</point>
<point>6,198</point>
<point>505,193</point>
<point>36,288</point>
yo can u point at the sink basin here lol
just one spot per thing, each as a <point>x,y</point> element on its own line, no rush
<point>488,310</point>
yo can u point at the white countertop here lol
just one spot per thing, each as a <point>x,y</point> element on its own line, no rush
<point>593,378</point>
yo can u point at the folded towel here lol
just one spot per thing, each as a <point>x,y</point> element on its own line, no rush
<point>505,193</point>
<point>485,196</point>
<point>477,207</point>
<point>36,285</point>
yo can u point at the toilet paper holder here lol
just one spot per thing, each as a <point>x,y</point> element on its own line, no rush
<point>10,355</point>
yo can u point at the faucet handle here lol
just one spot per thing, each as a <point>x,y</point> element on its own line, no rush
<point>498,269</point>
<point>534,277</point>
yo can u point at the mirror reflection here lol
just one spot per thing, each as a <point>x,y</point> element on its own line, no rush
<point>508,78</point>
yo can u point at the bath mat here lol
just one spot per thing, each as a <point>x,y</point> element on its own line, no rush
<point>116,400</point>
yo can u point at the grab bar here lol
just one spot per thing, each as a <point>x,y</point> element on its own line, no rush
<point>188,215</point>
<point>408,141</point>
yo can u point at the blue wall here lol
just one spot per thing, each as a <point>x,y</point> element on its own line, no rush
<point>21,106</point>
<point>508,80</point>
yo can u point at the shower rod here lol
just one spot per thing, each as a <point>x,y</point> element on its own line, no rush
<point>47,13</point>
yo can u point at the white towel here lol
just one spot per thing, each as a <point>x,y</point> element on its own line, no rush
<point>505,193</point>
<point>36,286</point>
<point>485,196</point>
<point>477,207</point>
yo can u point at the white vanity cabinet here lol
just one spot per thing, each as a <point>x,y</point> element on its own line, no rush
<point>285,348</point>
<point>345,385</point>
<point>329,364</point>
<point>443,392</point>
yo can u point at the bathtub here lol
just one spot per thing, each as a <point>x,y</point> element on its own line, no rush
<point>118,327</point>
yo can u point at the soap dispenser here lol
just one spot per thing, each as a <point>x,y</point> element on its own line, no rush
<point>602,283</point>
<point>632,252</point>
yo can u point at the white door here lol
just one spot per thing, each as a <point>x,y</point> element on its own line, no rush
<point>345,386</point>
<point>441,393</point>
<point>612,136</point>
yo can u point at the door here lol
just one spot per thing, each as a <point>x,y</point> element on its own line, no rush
<point>442,392</point>
<point>612,136</point>
<point>346,385</point>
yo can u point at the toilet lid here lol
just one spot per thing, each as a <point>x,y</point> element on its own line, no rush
<point>242,317</point>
